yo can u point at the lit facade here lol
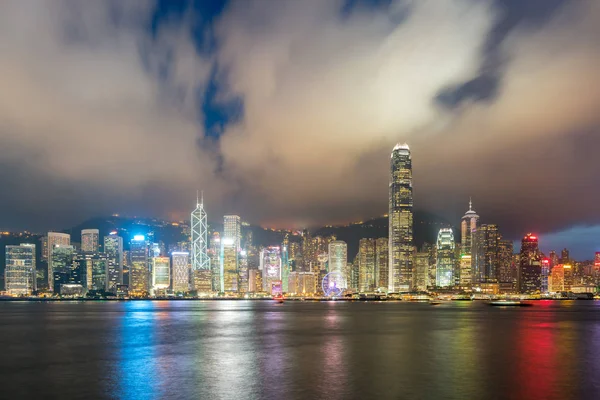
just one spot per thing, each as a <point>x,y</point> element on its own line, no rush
<point>65,270</point>
<point>93,268</point>
<point>181,271</point>
<point>302,283</point>
<point>199,247</point>
<point>230,247</point>
<point>382,254</point>
<point>486,241</point>
<point>113,248</point>
<point>90,240</point>
<point>270,264</point>
<point>466,278</point>
<point>139,273</point>
<point>445,258</point>
<point>468,226</point>
<point>400,220</point>
<point>561,278</point>
<point>505,262</point>
<point>338,259</point>
<point>366,265</point>
<point>19,272</point>
<point>530,268</point>
<point>55,239</point>
<point>421,265</point>
<point>161,273</point>
<point>254,281</point>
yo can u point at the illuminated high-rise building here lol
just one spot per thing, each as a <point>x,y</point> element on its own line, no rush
<point>215,262</point>
<point>113,248</point>
<point>93,269</point>
<point>243,274</point>
<point>90,240</point>
<point>285,263</point>
<point>181,271</point>
<point>530,265</point>
<point>565,257</point>
<point>65,270</point>
<point>505,262</point>
<point>199,244</point>
<point>468,226</point>
<point>400,220</point>
<point>366,265</point>
<point>230,247</point>
<point>486,240</point>
<point>161,273</point>
<point>302,283</point>
<point>561,278</point>
<point>254,281</point>
<point>138,266</point>
<point>338,259</point>
<point>445,258</point>
<point>55,239</point>
<point>270,264</point>
<point>382,254</point>
<point>421,265</point>
<point>19,272</point>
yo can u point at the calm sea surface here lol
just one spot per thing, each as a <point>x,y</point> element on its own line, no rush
<point>299,350</point>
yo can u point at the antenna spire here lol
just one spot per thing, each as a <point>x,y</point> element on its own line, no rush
<point>202,197</point>
<point>470,204</point>
<point>197,198</point>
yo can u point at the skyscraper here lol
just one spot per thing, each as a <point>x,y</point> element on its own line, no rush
<point>270,263</point>
<point>54,239</point>
<point>138,266</point>
<point>530,268</point>
<point>161,273</point>
<point>381,263</point>
<point>486,240</point>
<point>505,256</point>
<point>366,265</point>
<point>468,226</point>
<point>181,271</point>
<point>445,258</point>
<point>19,272</point>
<point>400,220</point>
<point>200,259</point>
<point>113,248</point>
<point>338,259</point>
<point>421,265</point>
<point>89,240</point>
<point>230,246</point>
<point>65,270</point>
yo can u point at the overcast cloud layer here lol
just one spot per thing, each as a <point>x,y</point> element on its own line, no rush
<point>99,115</point>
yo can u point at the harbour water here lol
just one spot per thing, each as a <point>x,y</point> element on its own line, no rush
<point>299,350</point>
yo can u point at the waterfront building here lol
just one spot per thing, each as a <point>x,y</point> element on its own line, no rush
<point>445,258</point>
<point>468,226</point>
<point>505,262</point>
<point>230,246</point>
<point>138,266</point>
<point>93,269</point>
<point>55,239</point>
<point>90,240</point>
<point>530,269</point>
<point>544,288</point>
<point>303,283</point>
<point>199,248</point>
<point>421,265</point>
<point>65,271</point>
<point>400,220</point>
<point>19,272</point>
<point>338,259</point>
<point>180,261</point>
<point>161,273</point>
<point>366,265</point>
<point>561,278</point>
<point>255,280</point>
<point>243,268</point>
<point>382,254</point>
<point>285,263</point>
<point>113,248</point>
<point>215,262</point>
<point>270,264</point>
<point>466,278</point>
<point>486,240</point>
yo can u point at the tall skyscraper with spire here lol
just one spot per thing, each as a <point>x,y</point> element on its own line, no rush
<point>468,226</point>
<point>401,220</point>
<point>199,237</point>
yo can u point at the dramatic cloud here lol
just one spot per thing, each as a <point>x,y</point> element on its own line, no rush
<point>104,110</point>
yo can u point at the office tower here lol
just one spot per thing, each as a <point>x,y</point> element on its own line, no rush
<point>19,272</point>
<point>553,257</point>
<point>505,261</point>
<point>161,274</point>
<point>113,248</point>
<point>255,281</point>
<point>243,268</point>
<point>230,246</point>
<point>181,271</point>
<point>270,264</point>
<point>545,275</point>
<point>285,263</point>
<point>93,269</point>
<point>381,264</point>
<point>44,248</point>
<point>468,225</point>
<point>400,220</point>
<point>215,262</point>
<point>338,259</point>
<point>486,240</point>
<point>138,266</point>
<point>445,258</point>
<point>465,277</point>
<point>530,272</point>
<point>564,257</point>
<point>303,283</point>
<point>366,265</point>
<point>55,239</point>
<point>421,265</point>
<point>90,240</point>
<point>561,278</point>
<point>199,242</point>
<point>64,271</point>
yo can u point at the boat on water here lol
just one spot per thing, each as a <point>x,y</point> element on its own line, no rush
<point>278,298</point>
<point>435,302</point>
<point>509,303</point>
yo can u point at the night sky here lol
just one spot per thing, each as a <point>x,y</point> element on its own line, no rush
<point>285,112</point>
